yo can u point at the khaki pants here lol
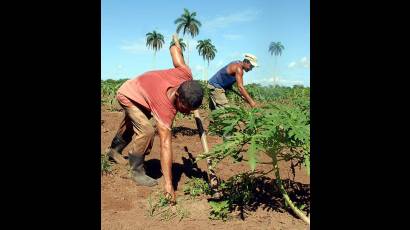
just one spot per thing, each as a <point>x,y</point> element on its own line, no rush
<point>217,98</point>
<point>136,121</point>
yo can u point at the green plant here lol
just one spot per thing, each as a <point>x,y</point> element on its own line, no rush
<point>237,192</point>
<point>160,206</point>
<point>189,25</point>
<point>205,101</point>
<point>220,210</point>
<point>269,94</point>
<point>181,116</point>
<point>109,90</point>
<point>281,131</point>
<point>207,50</point>
<point>196,187</point>
<point>276,48</point>
<point>181,43</point>
<point>155,41</point>
<point>151,206</point>
<point>106,165</point>
<point>239,189</point>
<point>163,201</point>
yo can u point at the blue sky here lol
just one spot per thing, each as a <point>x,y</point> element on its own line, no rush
<point>234,27</point>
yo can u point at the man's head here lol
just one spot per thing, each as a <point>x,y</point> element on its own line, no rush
<point>189,96</point>
<point>249,62</point>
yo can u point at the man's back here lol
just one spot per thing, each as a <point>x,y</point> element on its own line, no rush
<point>150,91</point>
<point>222,79</point>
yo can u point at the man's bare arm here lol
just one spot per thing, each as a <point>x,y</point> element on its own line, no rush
<point>176,53</point>
<point>166,158</point>
<point>242,90</point>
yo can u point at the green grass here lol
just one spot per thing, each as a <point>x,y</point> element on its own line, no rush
<point>196,187</point>
<point>106,165</point>
<point>159,207</point>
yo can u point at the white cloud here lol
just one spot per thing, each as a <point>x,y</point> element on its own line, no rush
<point>135,47</point>
<point>279,80</point>
<point>225,21</point>
<point>289,82</point>
<point>292,64</point>
<point>232,37</point>
<point>199,67</point>
<point>139,46</point>
<point>304,62</point>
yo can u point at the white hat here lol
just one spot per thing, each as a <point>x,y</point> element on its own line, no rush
<point>252,59</point>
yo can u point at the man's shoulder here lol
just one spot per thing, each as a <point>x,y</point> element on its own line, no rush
<point>235,67</point>
<point>185,69</point>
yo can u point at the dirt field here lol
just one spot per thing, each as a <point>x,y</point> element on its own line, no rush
<point>124,205</point>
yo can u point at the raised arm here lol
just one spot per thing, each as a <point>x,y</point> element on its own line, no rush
<point>166,158</point>
<point>242,90</point>
<point>176,53</point>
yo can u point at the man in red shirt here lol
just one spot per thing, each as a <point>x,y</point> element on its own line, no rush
<point>159,94</point>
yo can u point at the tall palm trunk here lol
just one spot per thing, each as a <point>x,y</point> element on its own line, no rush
<point>154,60</point>
<point>187,44</point>
<point>275,71</point>
<point>206,75</point>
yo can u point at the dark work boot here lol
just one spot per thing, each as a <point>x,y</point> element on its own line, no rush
<point>138,172</point>
<point>117,145</point>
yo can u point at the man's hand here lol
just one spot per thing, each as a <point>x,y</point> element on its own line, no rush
<point>170,193</point>
<point>241,88</point>
<point>176,52</point>
<point>175,38</point>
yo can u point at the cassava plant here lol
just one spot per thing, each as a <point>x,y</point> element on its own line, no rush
<point>282,132</point>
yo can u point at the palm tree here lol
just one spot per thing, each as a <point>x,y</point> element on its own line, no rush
<point>189,25</point>
<point>154,41</point>
<point>275,48</point>
<point>207,51</point>
<point>181,43</point>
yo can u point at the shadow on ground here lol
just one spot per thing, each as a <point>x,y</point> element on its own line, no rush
<point>189,168</point>
<point>248,193</point>
<point>184,131</point>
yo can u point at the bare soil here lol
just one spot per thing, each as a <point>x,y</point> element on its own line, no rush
<point>124,205</point>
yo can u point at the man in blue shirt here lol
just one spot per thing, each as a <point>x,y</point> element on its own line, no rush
<point>226,77</point>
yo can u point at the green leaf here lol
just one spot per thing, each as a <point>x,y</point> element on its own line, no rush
<point>251,123</point>
<point>218,206</point>
<point>229,128</point>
